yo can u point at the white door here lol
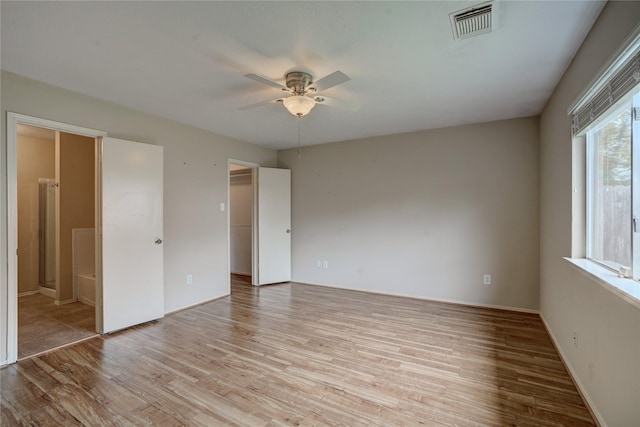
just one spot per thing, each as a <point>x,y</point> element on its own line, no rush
<point>274,226</point>
<point>132,252</point>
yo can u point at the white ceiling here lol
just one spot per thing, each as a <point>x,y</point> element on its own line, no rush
<point>186,60</point>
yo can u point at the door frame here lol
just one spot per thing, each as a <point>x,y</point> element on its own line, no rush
<point>254,219</point>
<point>13,120</point>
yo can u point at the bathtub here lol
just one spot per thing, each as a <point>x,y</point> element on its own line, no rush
<point>87,289</point>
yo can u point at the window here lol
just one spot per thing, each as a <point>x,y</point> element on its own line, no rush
<point>605,239</point>
<point>608,116</point>
<point>610,190</point>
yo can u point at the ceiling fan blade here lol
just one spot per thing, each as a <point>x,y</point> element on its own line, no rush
<point>334,102</point>
<point>260,104</point>
<point>265,80</point>
<point>333,79</point>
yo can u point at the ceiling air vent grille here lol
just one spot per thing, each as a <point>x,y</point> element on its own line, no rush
<point>472,21</point>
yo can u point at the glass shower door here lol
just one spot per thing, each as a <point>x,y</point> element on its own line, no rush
<point>47,233</point>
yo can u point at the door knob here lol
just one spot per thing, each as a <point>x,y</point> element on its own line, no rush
<point>158,241</point>
<point>288,231</point>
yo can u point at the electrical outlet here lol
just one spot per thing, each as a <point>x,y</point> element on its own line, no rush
<point>486,279</point>
<point>189,279</point>
<point>575,339</point>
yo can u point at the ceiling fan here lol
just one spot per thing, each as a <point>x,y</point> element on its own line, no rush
<point>303,92</point>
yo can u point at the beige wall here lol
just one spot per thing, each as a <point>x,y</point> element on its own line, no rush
<point>36,159</point>
<point>423,214</point>
<point>195,183</point>
<point>76,202</point>
<point>607,361</point>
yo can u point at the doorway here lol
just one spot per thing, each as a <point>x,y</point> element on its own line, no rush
<point>62,293</point>
<point>120,258</point>
<point>241,223</point>
<point>259,218</point>
<point>56,238</point>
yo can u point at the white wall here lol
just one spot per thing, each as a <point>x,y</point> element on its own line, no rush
<point>607,360</point>
<point>195,183</point>
<point>422,214</point>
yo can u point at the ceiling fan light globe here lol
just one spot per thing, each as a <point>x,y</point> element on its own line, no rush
<point>299,105</point>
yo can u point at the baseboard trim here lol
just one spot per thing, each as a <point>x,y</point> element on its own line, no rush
<point>576,381</point>
<point>48,292</point>
<point>24,294</point>
<point>187,307</point>
<point>447,301</point>
<point>241,274</point>
<point>69,301</point>
<point>86,301</point>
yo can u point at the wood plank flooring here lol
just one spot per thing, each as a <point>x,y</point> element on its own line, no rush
<point>43,325</point>
<point>294,354</point>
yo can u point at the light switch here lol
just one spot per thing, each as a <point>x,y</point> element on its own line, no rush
<point>222,207</point>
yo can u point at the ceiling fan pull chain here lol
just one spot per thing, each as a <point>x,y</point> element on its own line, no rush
<point>299,155</point>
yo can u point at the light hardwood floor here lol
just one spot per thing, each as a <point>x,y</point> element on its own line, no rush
<point>294,354</point>
<point>43,325</point>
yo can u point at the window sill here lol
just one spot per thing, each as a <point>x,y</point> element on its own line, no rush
<point>628,289</point>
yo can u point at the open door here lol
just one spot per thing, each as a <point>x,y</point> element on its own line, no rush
<point>274,226</point>
<point>132,230</point>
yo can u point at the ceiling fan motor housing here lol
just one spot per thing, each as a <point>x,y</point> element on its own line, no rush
<point>298,82</point>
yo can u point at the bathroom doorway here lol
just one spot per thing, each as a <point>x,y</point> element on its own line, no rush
<point>56,238</point>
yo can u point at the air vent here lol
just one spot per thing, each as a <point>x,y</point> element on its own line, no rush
<point>472,21</point>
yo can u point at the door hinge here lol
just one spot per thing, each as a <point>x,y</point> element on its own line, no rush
<point>634,224</point>
<point>636,113</point>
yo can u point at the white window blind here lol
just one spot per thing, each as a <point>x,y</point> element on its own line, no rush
<point>613,90</point>
<point>618,79</point>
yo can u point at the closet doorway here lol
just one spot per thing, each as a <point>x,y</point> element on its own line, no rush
<point>241,223</point>
<point>259,218</point>
<point>56,238</point>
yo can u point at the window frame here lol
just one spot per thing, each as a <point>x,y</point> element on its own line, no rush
<point>584,111</point>
<point>635,184</point>
<point>627,103</point>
